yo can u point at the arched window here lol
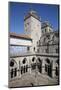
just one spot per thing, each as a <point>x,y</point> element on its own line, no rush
<point>11,63</point>
<point>13,66</point>
<point>33,59</point>
<point>48,61</point>
<point>39,60</point>
<point>24,61</point>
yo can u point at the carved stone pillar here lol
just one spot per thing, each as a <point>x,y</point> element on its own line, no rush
<point>29,66</point>
<point>53,69</point>
<point>43,66</point>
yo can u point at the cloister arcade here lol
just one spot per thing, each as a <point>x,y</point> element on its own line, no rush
<point>28,64</point>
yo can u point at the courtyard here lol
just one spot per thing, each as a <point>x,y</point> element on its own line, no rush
<point>33,80</point>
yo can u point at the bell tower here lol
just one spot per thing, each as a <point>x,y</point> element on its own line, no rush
<point>32,27</point>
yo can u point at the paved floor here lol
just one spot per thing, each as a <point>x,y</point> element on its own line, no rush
<point>33,80</point>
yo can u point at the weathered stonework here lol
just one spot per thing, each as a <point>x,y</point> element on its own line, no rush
<point>42,56</point>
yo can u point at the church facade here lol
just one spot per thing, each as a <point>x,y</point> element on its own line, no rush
<point>38,52</point>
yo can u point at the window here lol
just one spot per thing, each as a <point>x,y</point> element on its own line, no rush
<point>47,60</point>
<point>33,59</point>
<point>24,61</point>
<point>11,63</point>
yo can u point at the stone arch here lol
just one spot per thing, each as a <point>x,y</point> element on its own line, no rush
<point>33,59</point>
<point>48,67</point>
<point>47,61</point>
<point>39,64</point>
<point>39,59</point>
<point>33,63</point>
<point>13,70</point>
<point>24,66</point>
<point>13,63</point>
<point>24,60</point>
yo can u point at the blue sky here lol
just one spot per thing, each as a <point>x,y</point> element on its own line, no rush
<point>17,11</point>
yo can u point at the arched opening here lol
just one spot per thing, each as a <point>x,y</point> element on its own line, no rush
<point>13,65</point>
<point>48,61</point>
<point>24,60</point>
<point>39,65</point>
<point>24,68</point>
<point>48,67</point>
<point>33,59</point>
<point>33,64</point>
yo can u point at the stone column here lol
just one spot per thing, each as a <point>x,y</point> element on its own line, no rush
<point>29,66</point>
<point>43,66</point>
<point>53,69</point>
<point>19,70</point>
<point>29,69</point>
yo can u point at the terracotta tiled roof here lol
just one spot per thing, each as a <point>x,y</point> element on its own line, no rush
<point>23,36</point>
